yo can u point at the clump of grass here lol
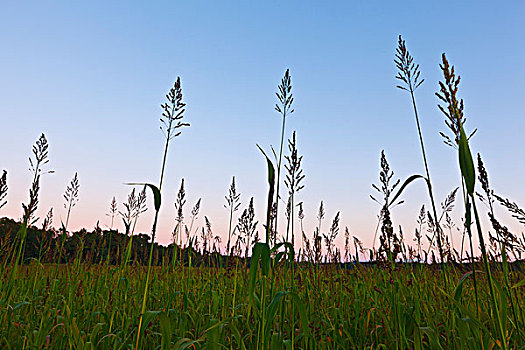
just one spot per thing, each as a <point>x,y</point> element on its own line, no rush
<point>247,227</point>
<point>233,202</point>
<point>139,209</point>
<point>113,209</point>
<point>389,246</point>
<point>293,180</point>
<point>194,213</point>
<point>330,237</point>
<point>446,207</point>
<point>358,245</point>
<point>318,236</point>
<point>206,236</point>
<point>71,199</point>
<point>504,237</point>
<point>128,213</point>
<point>135,206</point>
<point>179,207</point>
<point>179,219</point>
<point>421,221</point>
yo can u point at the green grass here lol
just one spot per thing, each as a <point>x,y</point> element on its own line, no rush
<point>99,307</point>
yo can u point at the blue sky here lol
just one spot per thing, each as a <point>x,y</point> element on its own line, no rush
<point>92,76</point>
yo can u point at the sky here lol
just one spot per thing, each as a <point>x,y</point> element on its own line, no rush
<point>92,76</point>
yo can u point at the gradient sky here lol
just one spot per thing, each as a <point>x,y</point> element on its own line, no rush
<point>92,76</point>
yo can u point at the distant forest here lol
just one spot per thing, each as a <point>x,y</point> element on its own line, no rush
<point>96,246</point>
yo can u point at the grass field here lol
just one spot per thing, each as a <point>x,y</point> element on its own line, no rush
<point>99,307</point>
<point>270,286</point>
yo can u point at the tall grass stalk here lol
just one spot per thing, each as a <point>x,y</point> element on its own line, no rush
<point>284,107</point>
<point>40,152</point>
<point>456,122</point>
<point>409,74</point>
<point>171,120</point>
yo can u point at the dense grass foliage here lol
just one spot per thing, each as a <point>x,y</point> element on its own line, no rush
<point>98,307</point>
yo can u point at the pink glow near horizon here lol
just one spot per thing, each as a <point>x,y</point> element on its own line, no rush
<point>361,225</point>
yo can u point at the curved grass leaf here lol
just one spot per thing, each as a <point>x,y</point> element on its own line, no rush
<point>459,288</point>
<point>404,185</point>
<point>154,189</point>
<point>271,190</point>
